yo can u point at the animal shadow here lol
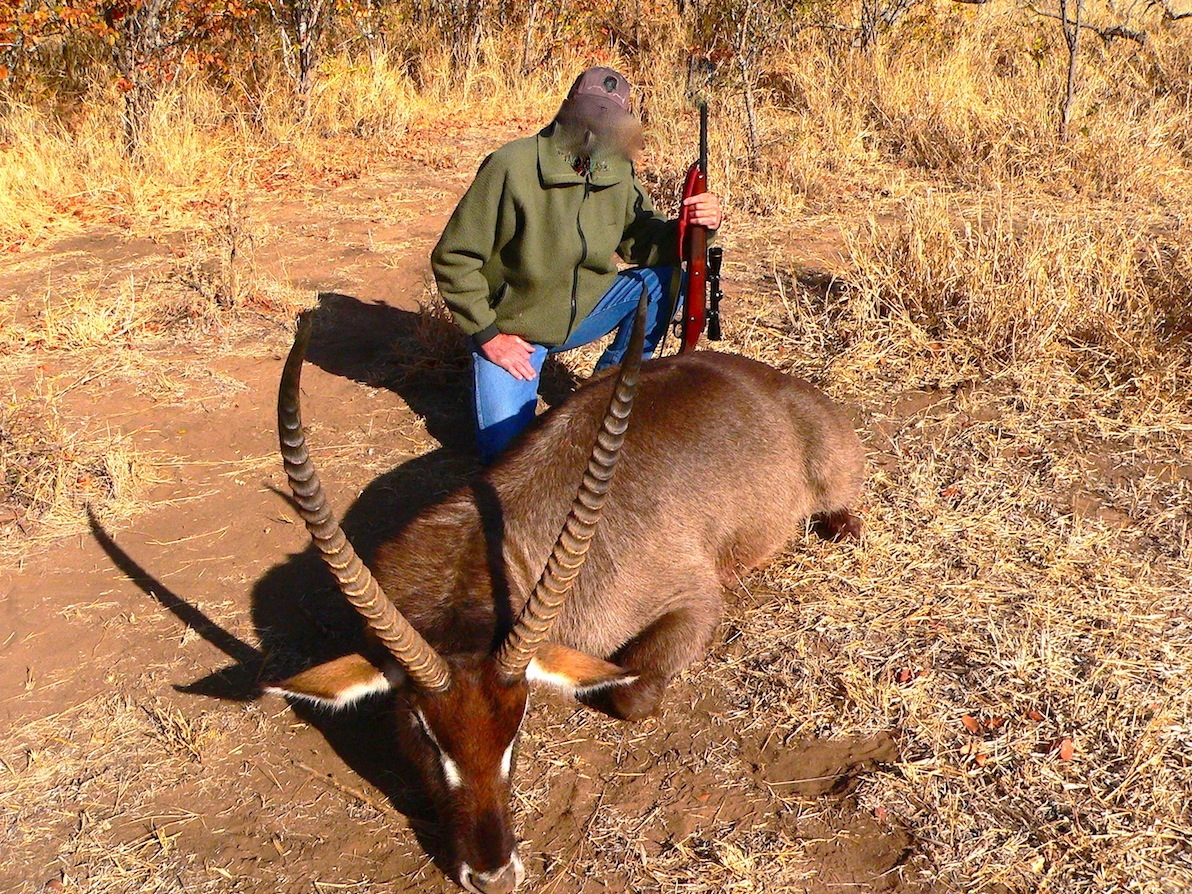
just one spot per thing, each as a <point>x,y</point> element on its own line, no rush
<point>299,615</point>
<point>301,618</point>
<point>420,356</point>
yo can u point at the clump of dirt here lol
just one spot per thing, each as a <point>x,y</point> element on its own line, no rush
<point>812,768</point>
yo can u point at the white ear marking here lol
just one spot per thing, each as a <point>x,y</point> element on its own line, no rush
<point>450,771</point>
<point>335,684</point>
<point>536,673</point>
<point>507,761</point>
<point>344,698</point>
<point>606,684</point>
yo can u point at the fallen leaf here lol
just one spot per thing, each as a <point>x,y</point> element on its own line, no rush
<point>971,723</point>
<point>1066,748</point>
<point>975,751</point>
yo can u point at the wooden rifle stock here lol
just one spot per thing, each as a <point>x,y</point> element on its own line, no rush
<point>693,246</point>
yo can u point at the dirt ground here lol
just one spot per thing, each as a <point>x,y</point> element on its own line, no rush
<point>138,754</point>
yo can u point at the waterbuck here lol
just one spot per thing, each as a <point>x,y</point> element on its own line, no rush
<point>549,570</point>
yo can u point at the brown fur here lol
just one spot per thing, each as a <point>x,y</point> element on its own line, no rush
<point>724,460</point>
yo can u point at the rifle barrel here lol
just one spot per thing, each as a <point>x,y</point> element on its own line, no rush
<point>703,138</point>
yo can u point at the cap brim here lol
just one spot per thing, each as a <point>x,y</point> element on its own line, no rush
<point>588,104</point>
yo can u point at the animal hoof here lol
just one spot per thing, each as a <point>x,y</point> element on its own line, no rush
<point>838,525</point>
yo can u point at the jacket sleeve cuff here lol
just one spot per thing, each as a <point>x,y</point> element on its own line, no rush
<point>488,333</point>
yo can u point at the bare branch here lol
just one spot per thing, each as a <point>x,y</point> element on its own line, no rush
<point>1168,14</point>
<point>1106,34</point>
<point>842,29</point>
<point>1071,38</point>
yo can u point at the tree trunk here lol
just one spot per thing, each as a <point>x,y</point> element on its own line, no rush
<point>1071,38</point>
<point>531,16</point>
<point>299,24</point>
<point>744,54</point>
<point>139,41</point>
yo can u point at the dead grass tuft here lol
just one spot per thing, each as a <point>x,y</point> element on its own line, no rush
<point>433,350</point>
<point>48,473</point>
<point>176,731</point>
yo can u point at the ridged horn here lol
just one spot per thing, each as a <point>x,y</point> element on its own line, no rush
<point>571,549</point>
<point>423,664</point>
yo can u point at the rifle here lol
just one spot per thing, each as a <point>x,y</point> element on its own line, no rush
<point>693,246</point>
<point>701,265</point>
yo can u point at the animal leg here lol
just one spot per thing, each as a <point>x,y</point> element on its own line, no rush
<point>840,524</point>
<point>656,654</point>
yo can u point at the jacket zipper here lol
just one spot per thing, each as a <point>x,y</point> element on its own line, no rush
<point>583,241</point>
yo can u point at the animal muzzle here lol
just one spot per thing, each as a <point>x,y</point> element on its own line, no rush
<point>499,881</point>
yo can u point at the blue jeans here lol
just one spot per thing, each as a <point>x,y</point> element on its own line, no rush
<point>505,405</point>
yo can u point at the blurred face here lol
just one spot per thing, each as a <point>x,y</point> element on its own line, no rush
<point>595,126</point>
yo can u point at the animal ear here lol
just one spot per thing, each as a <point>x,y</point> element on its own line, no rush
<point>574,672</point>
<point>336,684</point>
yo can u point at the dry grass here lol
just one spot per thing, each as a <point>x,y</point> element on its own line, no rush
<point>965,97</point>
<point>65,799</point>
<point>209,282</point>
<point>99,323</point>
<point>205,147</point>
<point>50,471</point>
<point>1024,575</point>
<point>961,96</point>
<point>1012,285</point>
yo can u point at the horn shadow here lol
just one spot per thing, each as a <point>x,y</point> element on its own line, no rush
<point>238,682</point>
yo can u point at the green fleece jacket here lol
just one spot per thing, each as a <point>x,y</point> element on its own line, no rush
<point>529,249</point>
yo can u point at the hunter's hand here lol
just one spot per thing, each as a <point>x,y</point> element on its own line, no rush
<point>705,210</point>
<point>512,354</point>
